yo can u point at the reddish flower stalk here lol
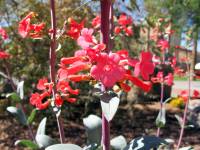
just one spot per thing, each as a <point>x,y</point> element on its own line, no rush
<point>186,108</point>
<point>52,58</point>
<point>162,90</point>
<point>106,7</point>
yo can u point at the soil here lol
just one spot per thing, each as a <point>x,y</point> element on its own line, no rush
<point>140,122</point>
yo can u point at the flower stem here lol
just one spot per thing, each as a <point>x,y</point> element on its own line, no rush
<point>186,108</point>
<point>161,105</point>
<point>52,58</point>
<point>106,27</point>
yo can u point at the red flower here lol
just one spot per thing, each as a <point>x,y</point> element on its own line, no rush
<point>128,31</point>
<point>37,30</point>
<point>125,23</point>
<point>117,30</point>
<point>96,22</point>
<point>58,100</point>
<point>125,87</point>
<point>144,67</point>
<point>163,44</point>
<point>124,20</point>
<point>26,29</point>
<point>76,67</point>
<point>196,93</point>
<point>64,87</point>
<point>37,100</point>
<point>79,77</point>
<point>74,28</point>
<point>4,55</point>
<point>146,86</point>
<point>107,70</point>
<point>71,100</point>
<point>42,84</point>
<point>168,80</point>
<point>125,59</point>
<point>86,39</point>
<point>69,60</point>
<point>184,95</point>
<point>3,34</point>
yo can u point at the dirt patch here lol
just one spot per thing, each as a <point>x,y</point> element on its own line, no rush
<point>141,123</point>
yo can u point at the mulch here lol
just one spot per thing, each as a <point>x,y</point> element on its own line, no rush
<point>141,121</point>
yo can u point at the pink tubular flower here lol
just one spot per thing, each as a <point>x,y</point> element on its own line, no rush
<point>3,33</point>
<point>42,84</point>
<point>79,77</point>
<point>107,70</point>
<point>144,67</point>
<point>146,86</point>
<point>96,22</point>
<point>86,39</point>
<point>125,59</point>
<point>169,79</point>
<point>74,68</point>
<point>163,44</point>
<point>4,55</point>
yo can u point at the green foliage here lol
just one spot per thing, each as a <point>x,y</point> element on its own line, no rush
<point>32,116</point>
<point>27,143</point>
<point>18,113</point>
<point>13,96</point>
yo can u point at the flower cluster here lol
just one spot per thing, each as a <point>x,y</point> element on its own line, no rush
<point>27,29</point>
<point>108,68</point>
<point>42,100</point>
<point>4,36</point>
<point>74,28</point>
<point>4,55</point>
<point>160,78</point>
<point>90,63</point>
<point>124,25</point>
<point>3,33</point>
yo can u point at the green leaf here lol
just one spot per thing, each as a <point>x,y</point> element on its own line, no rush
<point>145,142</point>
<point>27,143</point>
<point>64,147</point>
<point>32,116</point>
<point>42,127</point>
<point>13,96</point>
<point>44,141</point>
<point>18,113</point>
<point>109,105</point>
<point>161,118</point>
<point>20,89</point>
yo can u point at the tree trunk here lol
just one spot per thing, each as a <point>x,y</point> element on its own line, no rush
<point>194,54</point>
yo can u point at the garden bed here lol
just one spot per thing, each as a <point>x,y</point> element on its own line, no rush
<point>140,124</point>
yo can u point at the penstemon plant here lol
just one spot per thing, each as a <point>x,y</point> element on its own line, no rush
<point>109,71</point>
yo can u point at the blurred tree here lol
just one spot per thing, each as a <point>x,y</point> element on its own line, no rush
<point>182,13</point>
<point>30,57</point>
